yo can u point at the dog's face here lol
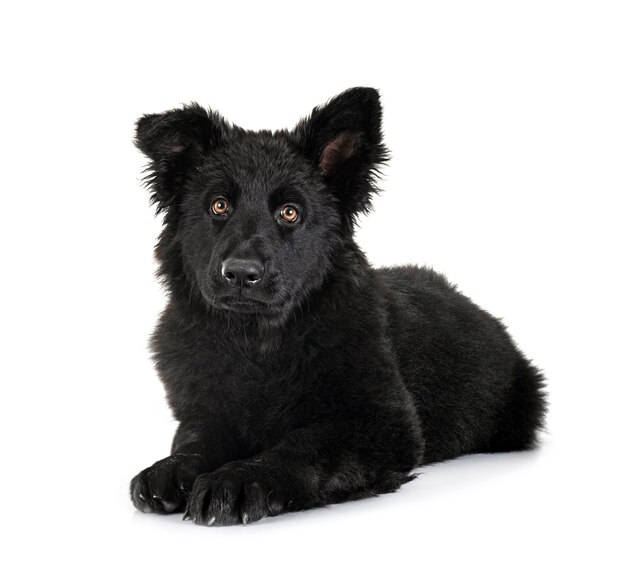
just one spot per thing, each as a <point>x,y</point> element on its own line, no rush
<point>258,225</point>
<point>254,219</point>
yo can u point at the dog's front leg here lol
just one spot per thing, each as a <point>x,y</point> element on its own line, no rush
<point>312,466</point>
<point>198,447</point>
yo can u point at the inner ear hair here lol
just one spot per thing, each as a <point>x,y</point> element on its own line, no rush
<point>343,146</point>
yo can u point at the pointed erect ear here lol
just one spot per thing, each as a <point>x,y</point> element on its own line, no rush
<point>344,140</point>
<point>170,133</point>
<point>173,141</point>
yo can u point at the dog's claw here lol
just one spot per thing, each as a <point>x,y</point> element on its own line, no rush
<point>186,515</point>
<point>244,519</point>
<point>211,521</point>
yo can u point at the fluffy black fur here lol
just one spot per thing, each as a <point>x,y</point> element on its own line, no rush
<point>300,375</point>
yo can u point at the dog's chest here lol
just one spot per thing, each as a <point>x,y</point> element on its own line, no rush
<point>268,395</point>
<point>262,393</point>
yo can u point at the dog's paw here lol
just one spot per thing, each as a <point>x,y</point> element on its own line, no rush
<point>236,493</point>
<point>164,487</point>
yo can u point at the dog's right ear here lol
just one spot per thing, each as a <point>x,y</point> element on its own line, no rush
<point>174,141</point>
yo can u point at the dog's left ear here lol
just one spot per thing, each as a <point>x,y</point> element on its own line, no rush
<point>344,140</point>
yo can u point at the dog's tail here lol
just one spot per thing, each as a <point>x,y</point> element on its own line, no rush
<point>525,413</point>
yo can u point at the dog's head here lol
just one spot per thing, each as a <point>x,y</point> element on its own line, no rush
<point>253,220</point>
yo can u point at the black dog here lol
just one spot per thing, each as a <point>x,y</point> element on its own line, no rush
<point>300,375</point>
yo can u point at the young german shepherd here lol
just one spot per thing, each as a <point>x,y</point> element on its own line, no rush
<point>300,375</point>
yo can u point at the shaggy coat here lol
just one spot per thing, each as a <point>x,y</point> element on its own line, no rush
<point>300,375</point>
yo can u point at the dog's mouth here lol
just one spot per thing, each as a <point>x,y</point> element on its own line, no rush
<point>243,305</point>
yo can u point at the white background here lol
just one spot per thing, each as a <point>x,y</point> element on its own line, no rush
<point>507,126</point>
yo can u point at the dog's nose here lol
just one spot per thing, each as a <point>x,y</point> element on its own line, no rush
<point>242,272</point>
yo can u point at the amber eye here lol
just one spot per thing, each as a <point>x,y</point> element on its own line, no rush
<point>219,206</point>
<point>289,213</point>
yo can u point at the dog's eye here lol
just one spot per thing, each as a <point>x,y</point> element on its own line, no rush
<point>220,206</point>
<point>289,213</point>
